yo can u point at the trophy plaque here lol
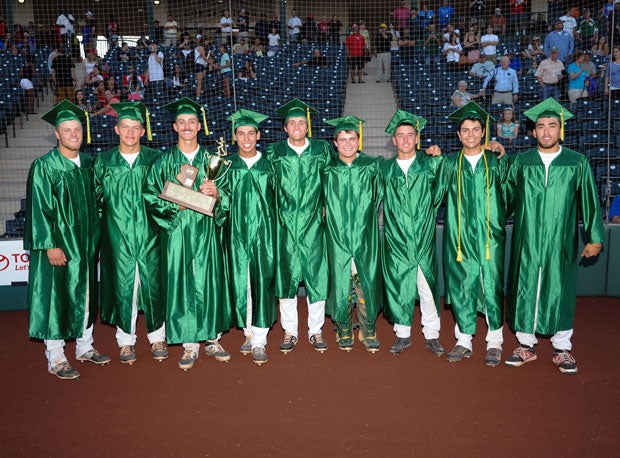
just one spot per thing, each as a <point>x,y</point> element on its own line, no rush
<point>183,194</point>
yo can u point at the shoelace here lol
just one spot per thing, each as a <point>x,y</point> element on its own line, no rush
<point>126,350</point>
<point>158,346</point>
<point>65,366</point>
<point>565,357</point>
<point>318,338</point>
<point>189,354</point>
<point>288,339</point>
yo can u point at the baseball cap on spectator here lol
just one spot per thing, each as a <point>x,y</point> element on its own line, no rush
<point>554,49</point>
<point>198,36</point>
<point>383,26</point>
<point>88,13</point>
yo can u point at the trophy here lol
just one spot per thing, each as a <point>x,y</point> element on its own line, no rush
<point>183,194</point>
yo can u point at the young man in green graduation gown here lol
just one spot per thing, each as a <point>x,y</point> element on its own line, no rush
<point>62,234</point>
<point>474,235</point>
<point>548,186</point>
<point>130,248</point>
<point>194,272</point>
<point>352,190</point>
<point>409,211</point>
<point>250,234</point>
<point>300,234</point>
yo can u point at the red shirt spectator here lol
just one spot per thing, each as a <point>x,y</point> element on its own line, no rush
<point>355,44</point>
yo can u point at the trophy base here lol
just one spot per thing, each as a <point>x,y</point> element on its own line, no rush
<point>188,198</point>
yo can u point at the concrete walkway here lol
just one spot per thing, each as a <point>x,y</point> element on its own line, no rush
<point>375,103</point>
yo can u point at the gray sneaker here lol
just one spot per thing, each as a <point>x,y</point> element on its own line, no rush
<point>401,344</point>
<point>215,349</point>
<point>159,351</point>
<point>128,354</point>
<point>493,357</point>
<point>288,343</point>
<point>93,356</point>
<point>435,347</point>
<point>64,371</point>
<point>458,353</point>
<point>318,343</point>
<point>259,355</point>
<point>188,359</point>
<point>246,348</point>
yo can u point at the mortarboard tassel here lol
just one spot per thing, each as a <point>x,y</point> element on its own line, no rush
<point>562,124</point>
<point>88,139</point>
<point>149,134</point>
<point>308,119</point>
<point>359,146</point>
<point>204,121</point>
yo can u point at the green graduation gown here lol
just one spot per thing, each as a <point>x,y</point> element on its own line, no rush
<point>475,284</point>
<point>409,216</point>
<point>61,213</point>
<point>352,195</point>
<point>128,239</point>
<point>250,233</point>
<point>300,233</point>
<point>544,253</point>
<point>195,278</point>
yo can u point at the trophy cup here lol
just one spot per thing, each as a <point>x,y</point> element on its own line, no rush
<point>183,194</point>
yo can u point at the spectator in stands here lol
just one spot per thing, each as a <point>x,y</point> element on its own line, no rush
<point>3,29</point>
<point>123,54</point>
<point>515,62</point>
<point>445,14</point>
<point>577,74</point>
<point>482,68</point>
<point>498,22</point>
<point>158,32</point>
<point>432,45</point>
<point>261,29</point>
<point>107,109</point>
<point>89,32</point>
<point>335,27</point>
<point>535,50</point>
<point>179,77</point>
<point>549,73</point>
<point>241,47</point>
<point>384,57</point>
<point>539,26</point>
<point>448,31</point>
<point>600,48</point>
<point>460,97</point>
<point>248,72</point>
<point>243,24</point>
<point>355,46</point>
<point>275,23</point>
<point>81,102</point>
<point>225,69</point>
<point>426,16</point>
<point>112,31</point>
<point>62,234</point>
<point>323,26</point>
<point>587,31</point>
<point>471,39</point>
<point>614,210</point>
<point>518,16</point>
<point>65,22</point>
<point>317,60</point>
<point>507,128</point>
<point>113,87</point>
<point>200,60</point>
<point>612,75</point>
<point>27,44</point>
<point>135,87</point>
<point>27,80</point>
<point>309,30</point>
<point>401,16</point>
<point>416,31</point>
<point>488,44</point>
<point>477,10</point>
<point>452,50</point>
<point>257,48</point>
<point>506,88</point>
<point>394,37</point>
<point>570,24</point>
<point>99,93</point>
<point>406,46</point>
<point>170,31</point>
<point>274,40</point>
<point>559,39</point>
<point>366,35</point>
<point>155,73</point>
<point>93,78</point>
<point>226,24</point>
<point>294,27</point>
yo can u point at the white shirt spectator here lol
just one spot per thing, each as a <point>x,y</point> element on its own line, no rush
<point>570,24</point>
<point>489,49</point>
<point>452,55</point>
<point>226,24</point>
<point>156,69</point>
<point>295,23</point>
<point>64,22</point>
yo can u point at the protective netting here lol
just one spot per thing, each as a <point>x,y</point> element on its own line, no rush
<point>280,50</point>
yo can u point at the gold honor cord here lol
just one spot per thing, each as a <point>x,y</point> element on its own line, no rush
<point>88,139</point>
<point>308,119</point>
<point>459,252</point>
<point>204,121</point>
<point>149,134</point>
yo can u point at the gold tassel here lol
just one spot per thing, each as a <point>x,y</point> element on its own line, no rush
<point>459,253</point>
<point>149,134</point>
<point>488,252</point>
<point>88,139</point>
<point>359,146</point>
<point>204,121</point>
<point>562,124</point>
<point>308,119</point>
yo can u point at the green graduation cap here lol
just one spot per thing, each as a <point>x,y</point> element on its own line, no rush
<point>348,123</point>
<point>186,105</point>
<point>471,110</point>
<point>243,117</point>
<point>295,109</point>
<point>135,111</point>
<point>67,111</point>
<point>549,108</point>
<point>404,117</point>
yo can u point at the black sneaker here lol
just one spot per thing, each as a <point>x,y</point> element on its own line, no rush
<point>522,354</point>
<point>435,347</point>
<point>288,343</point>
<point>565,361</point>
<point>458,353</point>
<point>401,344</point>
<point>128,354</point>
<point>159,351</point>
<point>493,357</point>
<point>64,371</point>
<point>318,343</point>
<point>95,357</point>
<point>259,355</point>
